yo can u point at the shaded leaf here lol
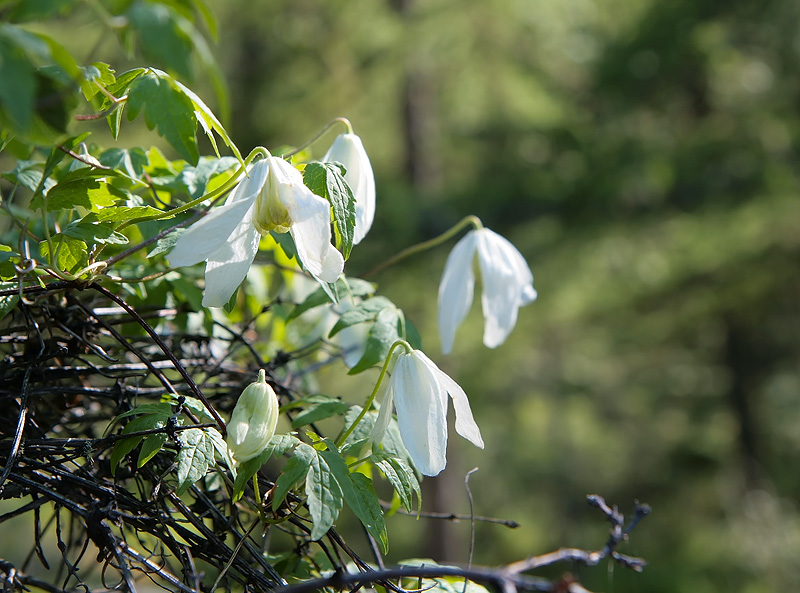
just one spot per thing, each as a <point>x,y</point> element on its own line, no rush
<point>194,457</point>
<point>383,333</point>
<point>296,468</point>
<point>365,311</point>
<point>278,445</point>
<point>353,286</point>
<point>324,496</point>
<point>327,180</point>
<point>316,407</point>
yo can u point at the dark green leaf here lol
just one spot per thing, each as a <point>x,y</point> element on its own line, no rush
<point>29,175</point>
<point>167,110</point>
<point>7,304</point>
<point>402,478</point>
<point>152,444</point>
<point>361,313</point>
<point>163,36</point>
<point>383,333</point>
<point>296,468</point>
<point>92,232</point>
<point>125,445</point>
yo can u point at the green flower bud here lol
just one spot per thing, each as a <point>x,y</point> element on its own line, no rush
<point>253,420</point>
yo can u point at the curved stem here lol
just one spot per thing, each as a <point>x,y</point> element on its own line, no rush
<point>318,135</point>
<point>341,440</point>
<point>430,243</point>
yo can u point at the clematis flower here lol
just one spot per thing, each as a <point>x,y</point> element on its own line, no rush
<point>349,150</point>
<point>253,420</point>
<point>271,198</point>
<point>419,390</point>
<point>507,286</point>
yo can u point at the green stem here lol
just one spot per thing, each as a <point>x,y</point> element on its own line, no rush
<point>257,495</point>
<point>318,135</point>
<point>341,440</point>
<point>430,243</point>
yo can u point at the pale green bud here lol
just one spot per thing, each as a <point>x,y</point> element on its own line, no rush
<point>253,420</point>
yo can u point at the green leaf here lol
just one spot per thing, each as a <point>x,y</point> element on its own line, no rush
<point>17,73</point>
<point>152,444</point>
<point>195,179</point>
<point>162,409</point>
<point>97,73</point>
<point>316,407</point>
<point>7,304</point>
<point>278,445</point>
<point>126,213</point>
<point>86,192</point>
<point>324,496</point>
<point>125,445</point>
<point>327,180</point>
<point>194,457</point>
<point>166,243</point>
<point>70,254</point>
<point>296,468</point>
<point>383,333</point>
<point>39,10</point>
<point>162,39</point>
<point>402,478</point>
<point>353,286</point>
<point>360,496</point>
<point>210,123</point>
<point>365,311</point>
<point>130,161</point>
<point>29,175</point>
<point>167,110</point>
<point>93,232</point>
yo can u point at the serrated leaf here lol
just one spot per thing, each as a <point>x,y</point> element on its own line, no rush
<point>296,468</point>
<point>360,497</point>
<point>167,110</point>
<point>194,457</point>
<point>278,445</point>
<point>353,286</point>
<point>383,333</point>
<point>210,123</point>
<point>402,478</point>
<point>324,496</point>
<point>327,180</point>
<point>94,74</point>
<point>152,444</point>
<point>365,311</point>
<point>316,407</point>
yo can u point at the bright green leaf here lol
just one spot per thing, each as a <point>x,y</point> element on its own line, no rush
<point>361,313</point>
<point>324,496</point>
<point>194,457</point>
<point>327,180</point>
<point>152,444</point>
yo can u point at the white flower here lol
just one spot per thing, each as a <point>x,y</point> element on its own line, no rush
<point>419,390</point>
<point>349,150</point>
<point>507,286</point>
<point>271,198</point>
<point>253,420</point>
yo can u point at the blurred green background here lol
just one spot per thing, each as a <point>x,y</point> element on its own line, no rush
<point>642,156</point>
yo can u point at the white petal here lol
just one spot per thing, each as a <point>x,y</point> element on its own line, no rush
<point>311,231</point>
<point>227,267</point>
<point>465,423</point>
<point>421,413</point>
<point>507,285</point>
<point>385,413</point>
<point>209,234</point>
<point>349,150</point>
<point>456,289</point>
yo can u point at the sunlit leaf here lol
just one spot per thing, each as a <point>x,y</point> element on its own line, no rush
<point>365,311</point>
<point>327,180</point>
<point>194,457</point>
<point>383,333</point>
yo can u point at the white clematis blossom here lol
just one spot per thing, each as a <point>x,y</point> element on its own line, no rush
<point>349,150</point>
<point>507,286</point>
<point>253,420</point>
<point>419,390</point>
<point>272,198</point>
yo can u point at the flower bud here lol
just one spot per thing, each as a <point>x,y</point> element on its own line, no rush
<point>253,420</point>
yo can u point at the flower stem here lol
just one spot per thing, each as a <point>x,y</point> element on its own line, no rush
<point>430,243</point>
<point>341,440</point>
<point>318,135</point>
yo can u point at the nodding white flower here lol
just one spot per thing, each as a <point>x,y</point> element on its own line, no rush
<point>271,198</point>
<point>349,150</point>
<point>253,420</point>
<point>419,390</point>
<point>507,286</point>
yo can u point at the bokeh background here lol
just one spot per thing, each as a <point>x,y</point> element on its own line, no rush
<point>642,155</point>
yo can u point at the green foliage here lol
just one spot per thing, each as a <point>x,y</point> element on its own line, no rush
<point>327,180</point>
